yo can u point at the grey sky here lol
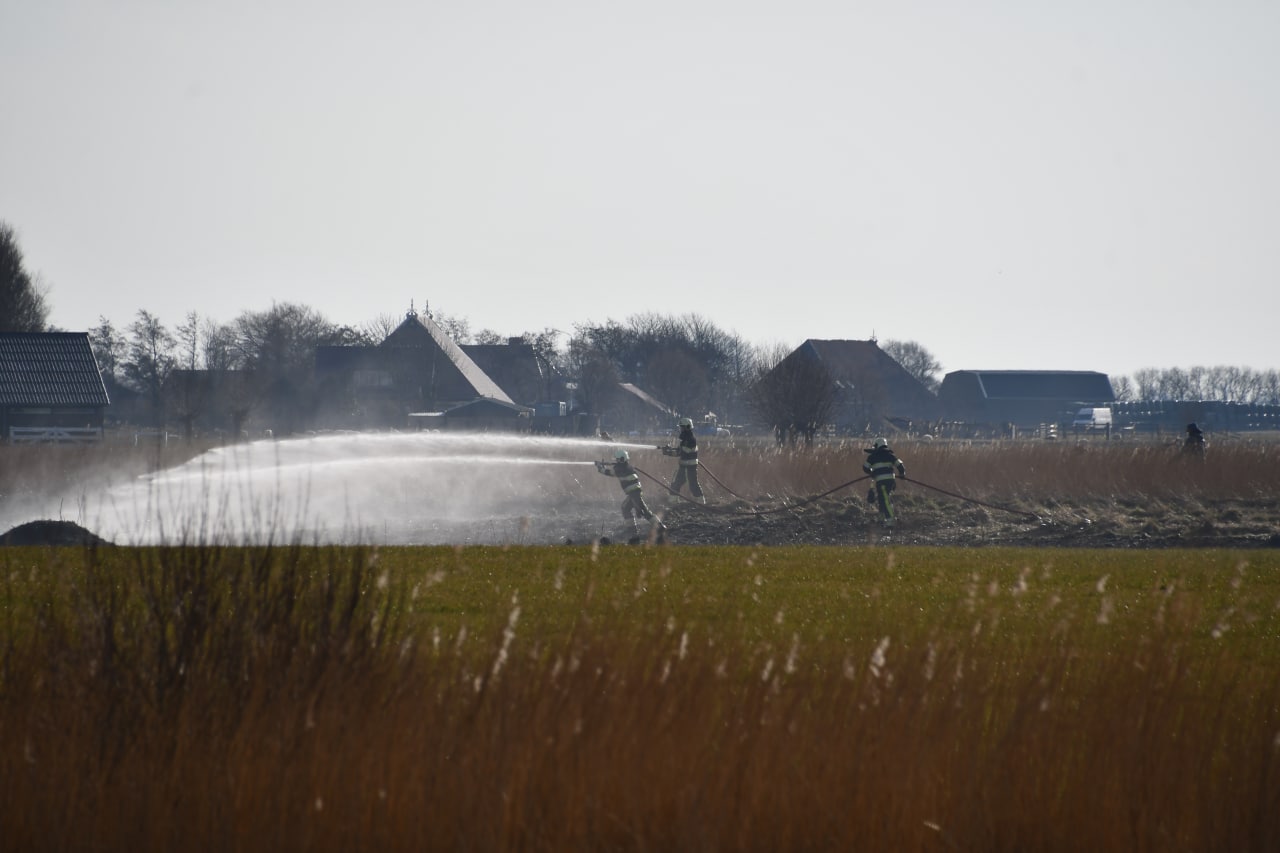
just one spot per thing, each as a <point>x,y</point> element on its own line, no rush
<point>1012,184</point>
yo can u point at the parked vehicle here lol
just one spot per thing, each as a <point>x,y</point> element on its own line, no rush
<point>1092,419</point>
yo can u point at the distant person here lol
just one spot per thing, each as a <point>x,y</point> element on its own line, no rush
<point>687,470</point>
<point>1194,444</point>
<point>633,504</point>
<point>883,466</point>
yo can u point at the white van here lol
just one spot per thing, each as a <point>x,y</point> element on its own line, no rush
<point>1091,418</point>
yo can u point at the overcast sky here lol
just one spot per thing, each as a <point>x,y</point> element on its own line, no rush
<point>1038,185</point>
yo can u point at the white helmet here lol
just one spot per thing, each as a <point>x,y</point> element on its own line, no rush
<point>685,422</point>
<point>880,442</point>
<point>621,456</point>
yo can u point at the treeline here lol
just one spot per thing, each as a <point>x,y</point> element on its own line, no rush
<point>686,361</point>
<point>1221,383</point>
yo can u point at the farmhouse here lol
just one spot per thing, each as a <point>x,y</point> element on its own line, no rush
<point>50,388</point>
<point>1023,398</point>
<point>416,368</point>
<point>870,386</point>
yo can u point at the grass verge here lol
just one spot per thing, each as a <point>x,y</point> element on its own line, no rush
<point>678,698</point>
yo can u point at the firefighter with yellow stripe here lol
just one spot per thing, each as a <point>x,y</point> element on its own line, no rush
<point>687,450</point>
<point>883,466</point>
<point>633,504</point>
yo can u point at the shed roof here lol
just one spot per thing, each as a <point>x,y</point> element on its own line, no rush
<point>49,369</point>
<point>1078,385</point>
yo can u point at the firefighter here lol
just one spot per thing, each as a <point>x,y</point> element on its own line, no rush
<point>633,504</point>
<point>1194,445</point>
<point>882,464</point>
<point>687,470</point>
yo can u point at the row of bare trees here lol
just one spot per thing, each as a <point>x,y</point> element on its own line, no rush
<point>275,347</point>
<point>686,361</point>
<point>1223,383</point>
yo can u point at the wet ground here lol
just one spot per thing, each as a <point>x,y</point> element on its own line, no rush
<point>1168,523</point>
<point>484,490</point>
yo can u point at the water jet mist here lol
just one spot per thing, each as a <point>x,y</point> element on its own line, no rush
<point>377,488</point>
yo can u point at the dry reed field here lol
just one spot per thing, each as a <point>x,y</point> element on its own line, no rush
<point>1082,493</point>
<point>883,694</point>
<point>552,698</point>
<point>1091,493</point>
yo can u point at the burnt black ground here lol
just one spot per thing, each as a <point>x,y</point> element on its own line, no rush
<point>845,518</point>
<point>926,520</point>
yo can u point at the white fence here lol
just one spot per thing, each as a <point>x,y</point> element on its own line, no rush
<point>55,435</point>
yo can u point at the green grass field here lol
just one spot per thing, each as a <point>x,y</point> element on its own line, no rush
<point>640,698</point>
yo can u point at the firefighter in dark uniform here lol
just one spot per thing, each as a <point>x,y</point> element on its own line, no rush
<point>633,504</point>
<point>883,466</point>
<point>1194,444</point>
<point>687,450</point>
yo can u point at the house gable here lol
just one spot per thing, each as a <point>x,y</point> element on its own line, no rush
<point>416,367</point>
<point>447,363</point>
<point>49,381</point>
<point>872,384</point>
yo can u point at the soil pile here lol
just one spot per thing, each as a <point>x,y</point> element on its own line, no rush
<point>53,533</point>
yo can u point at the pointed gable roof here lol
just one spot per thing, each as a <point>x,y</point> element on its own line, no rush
<point>854,363</point>
<point>422,332</point>
<point>49,369</point>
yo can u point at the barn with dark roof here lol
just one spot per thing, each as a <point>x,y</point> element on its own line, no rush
<point>50,388</point>
<point>1024,398</point>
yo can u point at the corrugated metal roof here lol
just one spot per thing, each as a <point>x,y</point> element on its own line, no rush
<point>1070,385</point>
<point>49,369</point>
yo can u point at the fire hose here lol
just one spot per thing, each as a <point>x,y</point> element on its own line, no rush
<point>725,511</point>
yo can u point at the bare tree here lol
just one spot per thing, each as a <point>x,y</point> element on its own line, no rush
<point>1224,383</point>
<point>108,347</point>
<point>187,337</point>
<point>457,328</point>
<point>595,373</point>
<point>22,302</point>
<point>1269,388</point>
<point>220,351</point>
<point>380,326</point>
<point>149,360</point>
<point>277,347</point>
<point>679,380</point>
<point>917,361</point>
<point>794,394</point>
<point>1146,383</point>
<point>646,349</point>
<point>1122,387</point>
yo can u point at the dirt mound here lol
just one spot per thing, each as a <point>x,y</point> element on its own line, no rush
<point>55,533</point>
